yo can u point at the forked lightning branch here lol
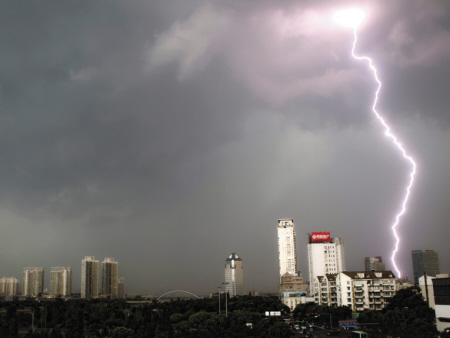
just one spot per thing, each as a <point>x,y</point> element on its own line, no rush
<point>352,18</point>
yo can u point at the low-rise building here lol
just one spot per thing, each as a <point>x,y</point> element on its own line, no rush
<point>290,283</point>
<point>325,291</point>
<point>291,299</point>
<point>365,290</point>
<point>293,290</point>
<point>359,290</point>
<point>426,288</point>
<point>441,289</point>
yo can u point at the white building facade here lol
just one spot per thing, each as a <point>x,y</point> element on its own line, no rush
<point>61,281</point>
<point>325,255</point>
<point>9,286</point>
<point>33,281</point>
<point>287,247</point>
<point>89,277</point>
<point>365,290</point>
<point>234,275</point>
<point>325,290</point>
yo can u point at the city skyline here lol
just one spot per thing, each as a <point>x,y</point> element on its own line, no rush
<point>175,133</point>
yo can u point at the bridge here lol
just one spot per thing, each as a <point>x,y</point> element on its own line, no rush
<point>178,294</point>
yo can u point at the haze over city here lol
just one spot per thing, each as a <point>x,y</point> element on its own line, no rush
<point>168,135</point>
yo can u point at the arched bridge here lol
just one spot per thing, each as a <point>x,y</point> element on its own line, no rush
<point>178,294</point>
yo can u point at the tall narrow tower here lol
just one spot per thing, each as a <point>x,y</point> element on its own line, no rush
<point>287,247</point>
<point>234,276</point>
<point>110,277</point>
<point>89,277</point>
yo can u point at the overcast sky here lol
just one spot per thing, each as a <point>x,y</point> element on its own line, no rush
<point>169,134</point>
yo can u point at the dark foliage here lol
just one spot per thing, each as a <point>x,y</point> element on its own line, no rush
<point>119,319</point>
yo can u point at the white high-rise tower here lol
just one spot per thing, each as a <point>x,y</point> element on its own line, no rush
<point>287,247</point>
<point>325,255</point>
<point>234,276</point>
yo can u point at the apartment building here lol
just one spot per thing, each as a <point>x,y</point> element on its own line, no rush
<point>359,290</point>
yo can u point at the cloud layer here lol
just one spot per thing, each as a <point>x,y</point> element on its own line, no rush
<point>169,135</point>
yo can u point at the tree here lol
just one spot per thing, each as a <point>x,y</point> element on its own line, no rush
<point>406,315</point>
<point>280,330</point>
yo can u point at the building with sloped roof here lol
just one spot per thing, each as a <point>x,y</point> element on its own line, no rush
<point>324,290</point>
<point>365,290</point>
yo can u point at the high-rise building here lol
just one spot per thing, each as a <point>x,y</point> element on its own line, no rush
<point>374,264</point>
<point>61,281</point>
<point>33,281</point>
<point>234,276</point>
<point>424,261</point>
<point>287,247</point>
<point>89,277</point>
<point>121,288</point>
<point>9,286</point>
<point>325,255</point>
<point>110,277</point>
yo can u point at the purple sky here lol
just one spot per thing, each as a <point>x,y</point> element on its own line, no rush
<point>170,135</point>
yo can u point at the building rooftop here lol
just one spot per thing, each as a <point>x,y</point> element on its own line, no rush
<point>369,274</point>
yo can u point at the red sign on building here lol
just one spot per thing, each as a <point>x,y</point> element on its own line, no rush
<point>320,237</point>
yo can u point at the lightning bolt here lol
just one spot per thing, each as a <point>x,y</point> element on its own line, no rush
<point>395,141</point>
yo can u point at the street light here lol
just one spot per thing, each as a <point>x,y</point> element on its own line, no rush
<point>219,298</point>
<point>226,296</point>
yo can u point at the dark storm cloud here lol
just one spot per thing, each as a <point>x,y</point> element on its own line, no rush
<point>173,134</point>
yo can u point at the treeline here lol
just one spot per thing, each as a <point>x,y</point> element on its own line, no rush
<point>117,319</point>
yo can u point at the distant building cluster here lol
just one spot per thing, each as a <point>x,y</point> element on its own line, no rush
<point>369,289</point>
<point>112,285</point>
<point>329,282</point>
